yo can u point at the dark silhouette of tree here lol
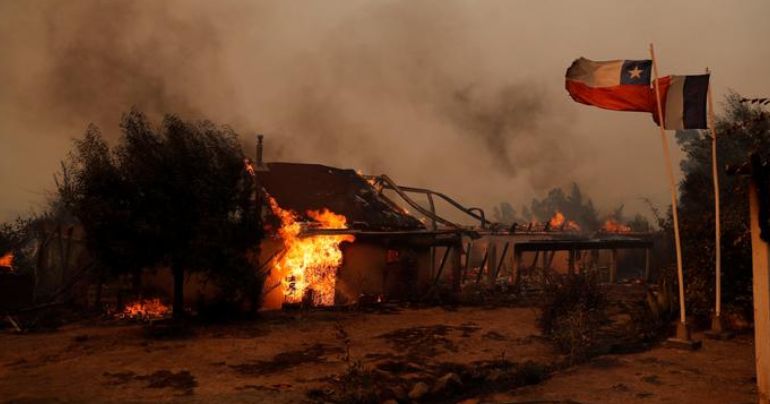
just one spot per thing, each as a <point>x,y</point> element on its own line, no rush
<point>504,213</point>
<point>174,195</point>
<point>741,129</point>
<point>574,207</point>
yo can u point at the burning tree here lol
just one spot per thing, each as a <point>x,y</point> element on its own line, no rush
<point>13,238</point>
<point>573,206</point>
<point>174,195</point>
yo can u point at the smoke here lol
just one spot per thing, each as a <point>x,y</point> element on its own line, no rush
<point>433,93</point>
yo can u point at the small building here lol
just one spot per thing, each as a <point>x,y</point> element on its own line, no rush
<point>392,257</point>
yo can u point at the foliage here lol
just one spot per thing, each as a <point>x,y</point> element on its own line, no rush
<point>572,313</point>
<point>504,213</point>
<point>16,238</point>
<point>741,129</point>
<point>174,195</point>
<point>574,206</point>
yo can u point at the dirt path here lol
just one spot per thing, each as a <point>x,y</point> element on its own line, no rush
<point>284,356</point>
<point>280,357</point>
<point>721,372</point>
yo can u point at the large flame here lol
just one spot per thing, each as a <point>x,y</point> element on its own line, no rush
<point>559,222</point>
<point>146,310</point>
<point>7,260</point>
<point>309,263</point>
<point>613,226</point>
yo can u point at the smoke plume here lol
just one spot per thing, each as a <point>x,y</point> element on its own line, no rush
<point>462,97</point>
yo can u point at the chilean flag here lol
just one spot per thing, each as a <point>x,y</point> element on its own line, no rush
<point>624,85</point>
<point>620,85</point>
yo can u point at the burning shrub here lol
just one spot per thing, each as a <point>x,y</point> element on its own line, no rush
<point>14,238</point>
<point>572,312</point>
<point>146,310</point>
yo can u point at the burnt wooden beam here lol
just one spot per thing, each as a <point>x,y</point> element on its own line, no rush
<point>483,263</point>
<point>502,259</point>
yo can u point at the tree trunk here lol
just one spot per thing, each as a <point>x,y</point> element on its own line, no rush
<point>178,307</point>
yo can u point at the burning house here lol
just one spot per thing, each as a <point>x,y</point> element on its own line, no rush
<point>334,239</point>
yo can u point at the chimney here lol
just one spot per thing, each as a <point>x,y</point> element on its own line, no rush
<point>260,165</point>
<point>259,150</point>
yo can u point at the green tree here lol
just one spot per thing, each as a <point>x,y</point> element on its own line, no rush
<point>174,195</point>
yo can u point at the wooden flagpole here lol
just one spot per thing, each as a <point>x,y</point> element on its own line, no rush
<point>681,331</point>
<point>717,330</point>
<point>717,217</point>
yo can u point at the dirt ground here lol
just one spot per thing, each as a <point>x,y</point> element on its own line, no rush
<point>453,355</point>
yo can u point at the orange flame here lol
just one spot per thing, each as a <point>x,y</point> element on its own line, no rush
<point>7,260</point>
<point>146,309</point>
<point>613,226</point>
<point>558,221</point>
<point>309,263</point>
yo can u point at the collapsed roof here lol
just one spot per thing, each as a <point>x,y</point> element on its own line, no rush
<point>342,191</point>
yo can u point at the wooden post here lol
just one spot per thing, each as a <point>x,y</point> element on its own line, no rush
<point>613,266</point>
<point>515,265</point>
<point>499,265</point>
<point>682,332</point>
<point>467,261</point>
<point>457,269</point>
<point>545,269</point>
<point>491,263</point>
<point>760,256</point>
<point>483,264</point>
<point>647,265</point>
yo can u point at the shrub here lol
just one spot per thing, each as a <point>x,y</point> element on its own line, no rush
<point>572,312</point>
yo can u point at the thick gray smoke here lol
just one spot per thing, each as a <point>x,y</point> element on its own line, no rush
<point>384,87</point>
<point>463,97</point>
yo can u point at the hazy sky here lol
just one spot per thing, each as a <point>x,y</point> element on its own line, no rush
<point>466,97</point>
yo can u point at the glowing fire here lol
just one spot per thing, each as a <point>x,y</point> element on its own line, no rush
<point>146,309</point>
<point>7,261</point>
<point>309,264</point>
<point>613,226</point>
<point>559,222</point>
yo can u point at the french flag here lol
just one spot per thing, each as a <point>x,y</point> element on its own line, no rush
<point>619,85</point>
<point>683,100</point>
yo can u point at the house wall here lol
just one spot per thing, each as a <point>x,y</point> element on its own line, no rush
<point>399,271</point>
<point>396,272</point>
<point>373,269</point>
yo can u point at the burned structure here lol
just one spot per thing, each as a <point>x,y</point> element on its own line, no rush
<point>388,253</point>
<point>336,236</point>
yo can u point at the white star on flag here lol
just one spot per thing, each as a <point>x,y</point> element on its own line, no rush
<point>635,73</point>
